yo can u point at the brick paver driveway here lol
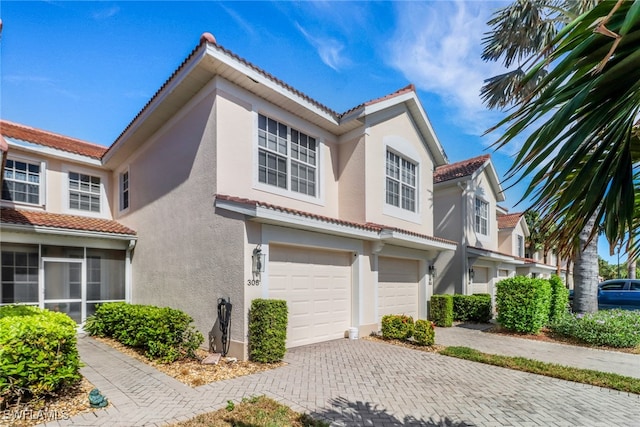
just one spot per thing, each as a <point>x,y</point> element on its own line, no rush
<point>369,383</point>
<point>359,383</point>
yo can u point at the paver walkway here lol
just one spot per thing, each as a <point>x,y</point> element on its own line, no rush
<point>364,383</point>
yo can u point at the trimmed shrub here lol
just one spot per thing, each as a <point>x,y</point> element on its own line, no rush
<point>397,326</point>
<point>38,352</point>
<point>523,303</point>
<point>614,328</point>
<point>559,303</point>
<point>441,310</point>
<point>165,334</point>
<point>472,308</point>
<point>268,320</point>
<point>424,332</point>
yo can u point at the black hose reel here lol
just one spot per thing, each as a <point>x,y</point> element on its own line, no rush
<point>224,322</point>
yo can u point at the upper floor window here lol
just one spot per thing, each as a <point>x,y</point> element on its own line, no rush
<point>401,182</point>
<point>84,192</point>
<point>520,247</point>
<point>287,158</point>
<point>124,190</point>
<point>482,217</point>
<point>21,182</point>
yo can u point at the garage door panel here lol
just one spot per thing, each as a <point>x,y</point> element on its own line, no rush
<point>317,287</point>
<point>397,286</point>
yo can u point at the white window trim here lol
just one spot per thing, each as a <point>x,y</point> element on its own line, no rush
<point>126,170</point>
<point>43,182</point>
<point>104,202</point>
<point>519,238</point>
<point>402,149</point>
<point>476,197</point>
<point>318,199</point>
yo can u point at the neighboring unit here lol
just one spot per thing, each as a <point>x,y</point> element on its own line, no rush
<point>237,186</point>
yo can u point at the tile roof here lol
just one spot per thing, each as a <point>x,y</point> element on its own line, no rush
<point>207,38</point>
<point>509,220</point>
<point>366,226</point>
<point>50,139</point>
<point>459,169</point>
<point>62,221</point>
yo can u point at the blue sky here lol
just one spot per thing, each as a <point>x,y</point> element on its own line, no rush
<point>85,69</point>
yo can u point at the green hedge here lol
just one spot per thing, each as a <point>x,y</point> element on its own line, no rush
<point>165,334</point>
<point>424,332</point>
<point>38,352</point>
<point>397,326</point>
<point>268,320</point>
<point>559,303</point>
<point>441,310</point>
<point>523,303</point>
<point>472,308</point>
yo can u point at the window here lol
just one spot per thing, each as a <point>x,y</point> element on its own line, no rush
<point>19,277</point>
<point>124,190</point>
<point>21,182</point>
<point>520,247</point>
<point>84,192</point>
<point>282,149</point>
<point>401,182</point>
<point>482,217</point>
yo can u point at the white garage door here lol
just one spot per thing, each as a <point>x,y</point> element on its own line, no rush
<point>480,280</point>
<point>317,287</point>
<point>397,286</point>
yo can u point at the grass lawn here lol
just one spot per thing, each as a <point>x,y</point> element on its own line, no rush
<point>259,411</point>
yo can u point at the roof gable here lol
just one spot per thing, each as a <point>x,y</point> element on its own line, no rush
<point>509,220</point>
<point>460,169</point>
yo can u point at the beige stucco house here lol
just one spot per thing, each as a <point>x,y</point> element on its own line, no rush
<point>232,184</point>
<point>491,241</point>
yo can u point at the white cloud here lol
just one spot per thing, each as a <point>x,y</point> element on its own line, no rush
<point>106,13</point>
<point>437,46</point>
<point>330,50</point>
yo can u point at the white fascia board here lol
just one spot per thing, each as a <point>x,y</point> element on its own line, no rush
<point>240,208</point>
<point>260,78</point>
<point>541,266</point>
<point>312,224</point>
<point>494,256</point>
<point>402,239</point>
<point>493,177</point>
<point>156,101</point>
<point>66,232</point>
<point>51,152</point>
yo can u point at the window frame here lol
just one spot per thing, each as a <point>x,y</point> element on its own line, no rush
<point>478,218</point>
<point>520,245</point>
<point>42,193</point>
<point>398,178</point>
<point>124,194</point>
<point>290,160</point>
<point>104,187</point>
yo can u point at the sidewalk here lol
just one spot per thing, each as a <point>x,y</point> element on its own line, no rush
<point>472,335</point>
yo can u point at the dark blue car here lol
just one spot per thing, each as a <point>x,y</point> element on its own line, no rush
<point>619,293</point>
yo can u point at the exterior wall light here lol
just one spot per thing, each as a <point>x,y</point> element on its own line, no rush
<point>257,260</point>
<point>472,274</point>
<point>433,272</point>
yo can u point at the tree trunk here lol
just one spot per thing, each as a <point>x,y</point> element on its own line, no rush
<point>631,261</point>
<point>585,272</point>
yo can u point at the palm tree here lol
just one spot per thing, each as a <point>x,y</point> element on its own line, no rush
<point>577,96</point>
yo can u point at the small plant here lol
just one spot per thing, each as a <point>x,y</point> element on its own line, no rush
<point>268,320</point>
<point>424,332</point>
<point>441,310</point>
<point>230,405</point>
<point>397,326</point>
<point>613,328</point>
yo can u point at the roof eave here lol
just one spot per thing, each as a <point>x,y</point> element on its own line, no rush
<point>66,231</point>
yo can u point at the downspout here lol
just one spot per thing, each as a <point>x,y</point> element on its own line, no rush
<point>128,273</point>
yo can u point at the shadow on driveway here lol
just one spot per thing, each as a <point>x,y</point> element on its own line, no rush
<point>347,413</point>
